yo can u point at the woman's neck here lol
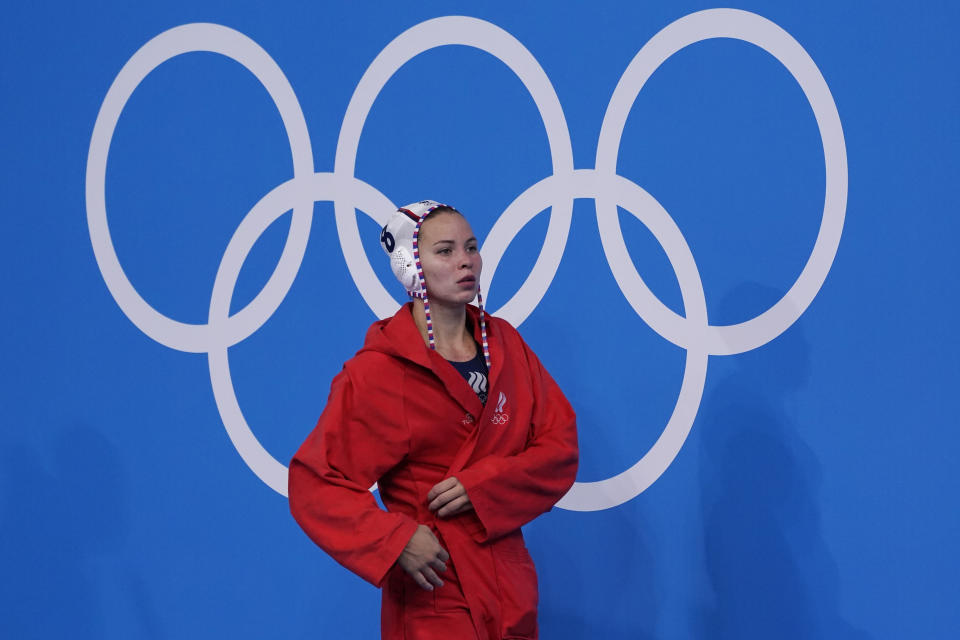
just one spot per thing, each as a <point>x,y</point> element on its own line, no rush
<point>450,334</point>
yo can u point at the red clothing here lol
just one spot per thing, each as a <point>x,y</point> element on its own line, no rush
<point>400,415</point>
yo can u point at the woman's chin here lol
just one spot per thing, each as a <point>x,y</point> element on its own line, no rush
<point>455,298</point>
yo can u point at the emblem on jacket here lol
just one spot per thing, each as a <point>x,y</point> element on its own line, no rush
<point>500,416</point>
<point>478,382</point>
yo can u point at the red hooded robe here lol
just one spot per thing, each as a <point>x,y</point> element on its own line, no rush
<point>402,416</point>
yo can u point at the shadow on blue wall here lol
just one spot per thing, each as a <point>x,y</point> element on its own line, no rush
<point>771,572</point>
<point>568,586</point>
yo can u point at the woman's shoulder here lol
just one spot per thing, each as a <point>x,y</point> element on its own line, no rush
<point>368,365</point>
<point>504,329</point>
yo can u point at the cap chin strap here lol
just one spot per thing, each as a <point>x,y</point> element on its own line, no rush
<point>422,294</point>
<point>483,329</point>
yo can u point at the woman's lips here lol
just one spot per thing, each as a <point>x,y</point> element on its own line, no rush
<point>467,280</point>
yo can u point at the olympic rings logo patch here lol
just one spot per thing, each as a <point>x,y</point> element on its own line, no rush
<point>693,332</point>
<point>499,417</point>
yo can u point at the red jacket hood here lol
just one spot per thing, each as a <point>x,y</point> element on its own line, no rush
<point>399,337</point>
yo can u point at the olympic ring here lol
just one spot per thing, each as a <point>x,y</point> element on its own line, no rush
<point>741,25</point>
<point>557,192</point>
<point>500,44</point>
<point>233,44</point>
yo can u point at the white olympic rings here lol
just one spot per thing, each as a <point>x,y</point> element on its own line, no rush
<point>557,192</point>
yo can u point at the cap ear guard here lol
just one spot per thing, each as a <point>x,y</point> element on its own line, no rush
<point>397,240</point>
<point>401,263</point>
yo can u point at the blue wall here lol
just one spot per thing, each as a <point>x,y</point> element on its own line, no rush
<point>787,477</point>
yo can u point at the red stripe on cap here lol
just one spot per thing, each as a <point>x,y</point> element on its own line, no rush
<point>410,214</point>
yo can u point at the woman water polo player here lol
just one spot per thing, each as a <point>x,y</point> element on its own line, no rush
<point>466,434</point>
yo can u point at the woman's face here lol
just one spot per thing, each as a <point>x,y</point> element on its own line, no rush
<point>450,259</point>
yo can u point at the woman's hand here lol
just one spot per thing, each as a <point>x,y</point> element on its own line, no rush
<point>423,557</point>
<point>448,498</point>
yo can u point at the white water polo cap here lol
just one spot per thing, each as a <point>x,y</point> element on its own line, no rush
<point>398,239</point>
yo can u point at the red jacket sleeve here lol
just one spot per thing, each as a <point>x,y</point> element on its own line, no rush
<point>510,491</point>
<point>359,437</point>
